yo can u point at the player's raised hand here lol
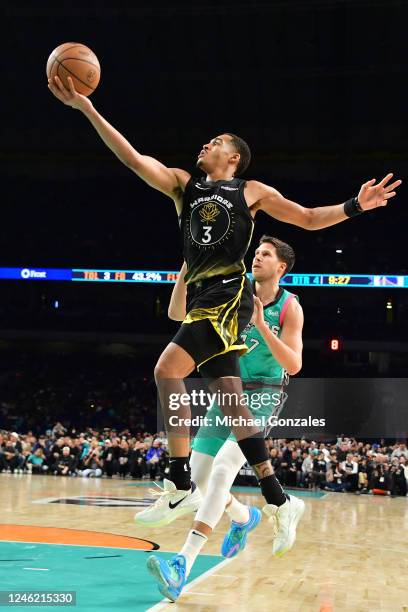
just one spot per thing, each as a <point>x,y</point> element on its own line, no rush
<point>371,195</point>
<point>70,97</point>
<point>258,314</point>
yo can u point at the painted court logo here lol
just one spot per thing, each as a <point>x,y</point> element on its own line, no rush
<point>106,501</point>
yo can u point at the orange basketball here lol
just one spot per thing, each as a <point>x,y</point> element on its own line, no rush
<point>77,61</point>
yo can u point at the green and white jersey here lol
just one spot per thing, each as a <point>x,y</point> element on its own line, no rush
<point>258,364</point>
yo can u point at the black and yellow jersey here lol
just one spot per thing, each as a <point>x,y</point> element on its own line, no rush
<point>216,227</point>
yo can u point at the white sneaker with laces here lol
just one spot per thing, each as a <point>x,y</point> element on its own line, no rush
<point>284,520</point>
<point>170,505</point>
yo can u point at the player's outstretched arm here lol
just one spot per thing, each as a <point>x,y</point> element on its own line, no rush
<point>177,306</point>
<point>170,181</point>
<point>370,196</point>
<point>287,350</point>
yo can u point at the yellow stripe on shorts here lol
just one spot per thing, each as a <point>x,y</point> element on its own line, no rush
<point>224,319</point>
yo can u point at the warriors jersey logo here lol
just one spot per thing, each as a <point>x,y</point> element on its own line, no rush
<point>209,211</point>
<point>210,222</point>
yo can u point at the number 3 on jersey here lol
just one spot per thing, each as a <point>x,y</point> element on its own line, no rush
<point>207,234</point>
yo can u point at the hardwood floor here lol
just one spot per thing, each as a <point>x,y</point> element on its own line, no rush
<point>351,553</point>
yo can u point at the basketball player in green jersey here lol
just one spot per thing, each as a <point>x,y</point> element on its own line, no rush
<point>216,216</point>
<point>274,341</point>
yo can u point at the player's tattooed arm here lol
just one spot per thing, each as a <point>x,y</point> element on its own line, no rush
<point>170,181</point>
<point>268,199</point>
<point>264,469</point>
<point>177,306</point>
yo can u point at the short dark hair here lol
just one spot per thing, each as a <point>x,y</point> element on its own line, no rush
<point>244,151</point>
<point>284,251</point>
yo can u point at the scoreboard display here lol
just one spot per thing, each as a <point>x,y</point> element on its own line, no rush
<point>170,276</point>
<point>125,276</point>
<point>289,280</point>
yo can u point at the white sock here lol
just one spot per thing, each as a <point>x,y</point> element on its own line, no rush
<point>236,511</point>
<point>192,547</point>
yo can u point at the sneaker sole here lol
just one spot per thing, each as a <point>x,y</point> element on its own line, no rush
<point>153,566</point>
<point>172,516</point>
<point>298,516</point>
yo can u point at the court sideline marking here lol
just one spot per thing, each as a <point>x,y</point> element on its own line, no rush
<point>165,602</point>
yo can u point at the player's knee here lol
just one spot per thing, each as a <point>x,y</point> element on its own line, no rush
<point>163,369</point>
<point>222,471</point>
<point>230,393</point>
<point>201,466</point>
<point>200,479</point>
<point>168,367</point>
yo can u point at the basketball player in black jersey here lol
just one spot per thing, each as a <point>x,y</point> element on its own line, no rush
<point>216,215</point>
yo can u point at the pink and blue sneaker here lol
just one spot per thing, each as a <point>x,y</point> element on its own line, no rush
<point>169,575</point>
<point>236,538</point>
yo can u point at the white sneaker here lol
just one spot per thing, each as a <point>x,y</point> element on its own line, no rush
<point>285,519</point>
<point>171,504</point>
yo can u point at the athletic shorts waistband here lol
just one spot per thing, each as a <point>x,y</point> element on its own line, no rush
<point>207,282</point>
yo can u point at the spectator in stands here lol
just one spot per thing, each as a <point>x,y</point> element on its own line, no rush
<point>161,436</point>
<point>400,451</point>
<point>16,442</point>
<point>124,456</point>
<point>343,448</point>
<point>36,462</point>
<point>399,482</point>
<point>76,452</point>
<point>334,479</point>
<point>58,430</point>
<point>27,451</point>
<point>306,479</point>
<point>110,457</point>
<point>44,443</point>
<point>276,461</point>
<point>363,475</point>
<point>319,470</point>
<point>65,464</point>
<point>294,470</point>
<point>93,463</point>
<point>10,457</point>
<point>404,462</point>
<point>153,456</point>
<point>148,439</point>
<point>333,458</point>
<point>138,459</point>
<point>349,467</point>
<point>55,454</point>
<point>285,457</point>
<point>380,481</point>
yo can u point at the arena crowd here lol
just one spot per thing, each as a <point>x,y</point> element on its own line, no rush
<point>343,465</point>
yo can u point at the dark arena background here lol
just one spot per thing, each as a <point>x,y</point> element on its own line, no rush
<point>88,258</point>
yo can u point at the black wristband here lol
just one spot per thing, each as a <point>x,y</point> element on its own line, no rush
<point>352,208</point>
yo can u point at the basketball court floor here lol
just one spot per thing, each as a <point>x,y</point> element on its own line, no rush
<point>72,534</point>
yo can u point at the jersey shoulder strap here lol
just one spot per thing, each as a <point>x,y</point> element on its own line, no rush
<point>287,297</point>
